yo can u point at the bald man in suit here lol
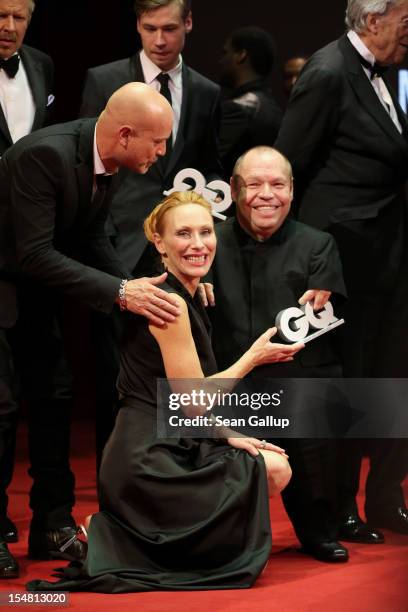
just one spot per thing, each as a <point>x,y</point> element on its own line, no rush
<point>163,26</point>
<point>53,206</point>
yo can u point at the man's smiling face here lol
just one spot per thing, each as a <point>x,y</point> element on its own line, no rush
<point>263,192</point>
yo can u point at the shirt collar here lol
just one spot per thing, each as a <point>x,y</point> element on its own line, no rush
<point>99,168</point>
<point>151,71</point>
<point>361,47</point>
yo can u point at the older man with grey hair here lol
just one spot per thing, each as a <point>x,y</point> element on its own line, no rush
<point>346,136</point>
<point>26,76</point>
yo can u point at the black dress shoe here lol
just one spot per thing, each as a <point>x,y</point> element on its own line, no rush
<point>355,530</point>
<point>8,564</point>
<point>330,552</point>
<point>61,543</point>
<point>395,520</point>
<point>8,530</point>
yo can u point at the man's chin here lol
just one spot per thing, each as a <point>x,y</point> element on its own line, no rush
<point>6,51</point>
<point>141,168</point>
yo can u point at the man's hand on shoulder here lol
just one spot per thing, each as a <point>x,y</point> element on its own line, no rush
<point>144,297</point>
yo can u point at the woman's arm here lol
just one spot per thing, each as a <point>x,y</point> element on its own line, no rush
<point>180,355</point>
<point>181,361</point>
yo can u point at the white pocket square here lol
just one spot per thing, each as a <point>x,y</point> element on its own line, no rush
<point>50,100</point>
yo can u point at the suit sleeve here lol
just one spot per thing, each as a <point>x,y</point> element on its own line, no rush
<point>310,119</point>
<point>37,184</point>
<point>234,123</point>
<point>325,270</point>
<point>98,251</point>
<point>93,97</point>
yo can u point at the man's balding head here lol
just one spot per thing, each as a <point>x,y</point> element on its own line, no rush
<point>262,188</point>
<point>133,129</point>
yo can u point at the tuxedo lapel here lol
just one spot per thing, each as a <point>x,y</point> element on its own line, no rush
<point>4,129</point>
<point>366,94</point>
<point>36,79</point>
<point>401,115</point>
<point>136,72</point>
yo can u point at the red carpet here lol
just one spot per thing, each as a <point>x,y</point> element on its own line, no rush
<point>374,580</point>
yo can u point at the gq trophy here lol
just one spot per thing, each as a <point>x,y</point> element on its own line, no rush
<point>294,323</point>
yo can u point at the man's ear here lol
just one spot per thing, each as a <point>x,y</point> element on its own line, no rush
<point>233,190</point>
<point>138,25</point>
<point>372,22</point>
<point>291,190</point>
<point>236,183</point>
<point>241,56</point>
<point>188,23</point>
<point>125,132</point>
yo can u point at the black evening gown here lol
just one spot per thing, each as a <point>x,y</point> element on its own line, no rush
<point>178,514</point>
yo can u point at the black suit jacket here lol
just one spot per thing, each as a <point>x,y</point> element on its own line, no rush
<point>254,281</point>
<point>195,147</point>
<point>40,72</point>
<point>250,118</point>
<point>47,216</point>
<point>350,165</point>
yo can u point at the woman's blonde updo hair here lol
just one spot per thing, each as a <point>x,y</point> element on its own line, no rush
<point>154,223</point>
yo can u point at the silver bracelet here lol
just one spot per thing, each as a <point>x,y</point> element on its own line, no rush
<point>122,294</point>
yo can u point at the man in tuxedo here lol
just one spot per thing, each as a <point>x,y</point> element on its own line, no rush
<point>26,78</point>
<point>250,116</point>
<point>55,195</point>
<point>163,26</point>
<point>266,263</point>
<point>346,137</point>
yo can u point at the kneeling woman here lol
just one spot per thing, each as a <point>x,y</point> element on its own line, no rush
<point>179,514</point>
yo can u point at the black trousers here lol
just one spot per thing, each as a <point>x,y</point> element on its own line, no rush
<point>8,419</point>
<point>106,334</point>
<point>310,496</point>
<point>373,344</point>
<point>33,368</point>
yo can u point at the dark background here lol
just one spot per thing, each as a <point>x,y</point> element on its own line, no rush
<point>79,34</point>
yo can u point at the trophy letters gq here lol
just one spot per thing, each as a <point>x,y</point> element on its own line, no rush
<point>294,323</point>
<point>217,192</point>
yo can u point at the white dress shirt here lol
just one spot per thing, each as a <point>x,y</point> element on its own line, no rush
<point>151,71</point>
<point>377,82</point>
<point>99,168</point>
<point>17,102</point>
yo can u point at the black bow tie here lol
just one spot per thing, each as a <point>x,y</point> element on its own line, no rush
<point>375,70</point>
<point>10,66</point>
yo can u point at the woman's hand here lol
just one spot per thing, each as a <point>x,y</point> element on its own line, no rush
<point>264,351</point>
<point>252,445</point>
